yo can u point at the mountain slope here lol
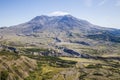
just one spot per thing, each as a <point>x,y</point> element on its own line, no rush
<point>54,26</point>
<point>62,31</point>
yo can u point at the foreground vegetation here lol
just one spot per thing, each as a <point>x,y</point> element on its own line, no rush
<point>96,69</point>
<point>35,67</point>
<point>30,67</point>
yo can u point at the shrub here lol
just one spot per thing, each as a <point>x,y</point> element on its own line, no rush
<point>94,66</point>
<point>4,75</point>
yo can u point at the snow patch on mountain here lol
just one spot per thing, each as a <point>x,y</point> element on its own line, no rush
<point>58,13</point>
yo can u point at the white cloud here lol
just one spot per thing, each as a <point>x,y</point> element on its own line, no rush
<point>58,13</point>
<point>102,2</point>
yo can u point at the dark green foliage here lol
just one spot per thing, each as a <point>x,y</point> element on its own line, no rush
<point>32,75</point>
<point>47,75</point>
<point>8,53</point>
<point>54,61</point>
<point>45,52</point>
<point>3,75</point>
<point>5,52</point>
<point>81,77</point>
<point>97,74</point>
<point>50,61</point>
<point>116,65</point>
<point>94,66</point>
<point>36,49</point>
<point>116,70</point>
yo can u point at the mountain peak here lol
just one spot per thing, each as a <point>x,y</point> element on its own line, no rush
<point>47,18</point>
<point>40,17</point>
<point>61,20</point>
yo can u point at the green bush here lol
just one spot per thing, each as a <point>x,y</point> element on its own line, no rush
<point>97,74</point>
<point>4,75</point>
<point>94,66</point>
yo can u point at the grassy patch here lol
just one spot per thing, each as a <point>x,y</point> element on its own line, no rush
<point>10,55</point>
<point>48,66</point>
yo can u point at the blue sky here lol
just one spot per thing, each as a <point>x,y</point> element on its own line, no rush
<point>105,13</point>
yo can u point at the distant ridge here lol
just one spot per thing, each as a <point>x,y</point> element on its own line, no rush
<point>65,28</point>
